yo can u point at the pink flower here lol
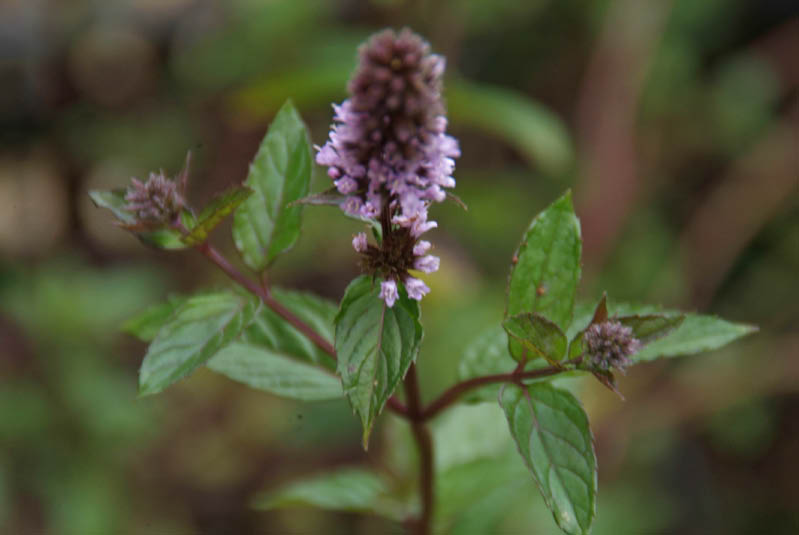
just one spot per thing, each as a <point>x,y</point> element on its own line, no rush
<point>388,292</point>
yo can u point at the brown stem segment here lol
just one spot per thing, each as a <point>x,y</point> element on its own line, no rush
<point>451,396</point>
<point>216,257</point>
<point>424,441</point>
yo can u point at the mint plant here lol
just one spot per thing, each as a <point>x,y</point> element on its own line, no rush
<point>391,160</point>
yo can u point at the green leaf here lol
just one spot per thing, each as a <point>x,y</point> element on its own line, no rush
<point>537,336</point>
<point>486,355</point>
<point>376,345</point>
<point>146,324</point>
<point>546,267</point>
<point>213,214</point>
<point>272,332</point>
<point>114,200</point>
<point>276,373</point>
<point>650,327</point>
<point>349,489</point>
<point>697,332</point>
<point>551,432</point>
<point>200,327</point>
<point>537,133</point>
<point>266,225</point>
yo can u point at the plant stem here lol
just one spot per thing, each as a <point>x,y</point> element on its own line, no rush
<point>451,395</point>
<point>230,270</point>
<point>424,441</point>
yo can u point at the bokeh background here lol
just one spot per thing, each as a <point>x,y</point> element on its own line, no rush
<point>674,121</point>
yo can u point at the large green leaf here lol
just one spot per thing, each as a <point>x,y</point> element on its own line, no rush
<point>114,200</point>
<point>551,432</point>
<point>347,489</point>
<point>546,267</point>
<point>200,327</point>
<point>216,211</point>
<point>695,334</point>
<point>376,345</point>
<point>266,225</point>
<point>277,373</point>
<point>272,332</point>
<point>537,337</point>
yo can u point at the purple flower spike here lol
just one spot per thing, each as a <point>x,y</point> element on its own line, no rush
<point>389,155</point>
<point>388,292</point>
<point>389,141</point>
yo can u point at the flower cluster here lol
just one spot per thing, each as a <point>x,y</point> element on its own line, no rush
<point>609,345</point>
<point>389,153</point>
<point>155,201</point>
<point>398,252</point>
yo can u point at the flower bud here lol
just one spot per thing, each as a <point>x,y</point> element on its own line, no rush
<point>609,345</point>
<point>157,200</point>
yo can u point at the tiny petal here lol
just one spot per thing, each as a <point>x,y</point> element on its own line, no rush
<point>345,185</point>
<point>388,292</point>
<point>421,247</point>
<point>427,264</point>
<point>359,242</point>
<point>419,227</point>
<point>416,288</point>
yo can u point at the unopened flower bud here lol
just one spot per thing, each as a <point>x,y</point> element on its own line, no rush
<point>610,344</point>
<point>157,200</point>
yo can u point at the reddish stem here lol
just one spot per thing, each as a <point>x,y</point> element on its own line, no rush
<point>424,441</point>
<point>451,395</point>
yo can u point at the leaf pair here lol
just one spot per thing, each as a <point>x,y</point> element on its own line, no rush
<point>235,335</point>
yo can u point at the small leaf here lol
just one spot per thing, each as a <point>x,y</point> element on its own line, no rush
<point>270,331</point>
<point>199,328</point>
<point>547,265</point>
<point>537,336</point>
<point>347,489</point>
<point>486,355</point>
<point>213,214</point>
<point>696,334</point>
<point>376,345</point>
<point>551,432</point>
<point>649,328</point>
<point>265,225</point>
<point>276,373</point>
<point>114,200</point>
<point>146,324</point>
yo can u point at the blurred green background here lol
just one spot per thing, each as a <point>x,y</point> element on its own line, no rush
<point>674,121</point>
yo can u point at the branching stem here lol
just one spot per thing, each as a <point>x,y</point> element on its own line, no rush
<point>414,412</point>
